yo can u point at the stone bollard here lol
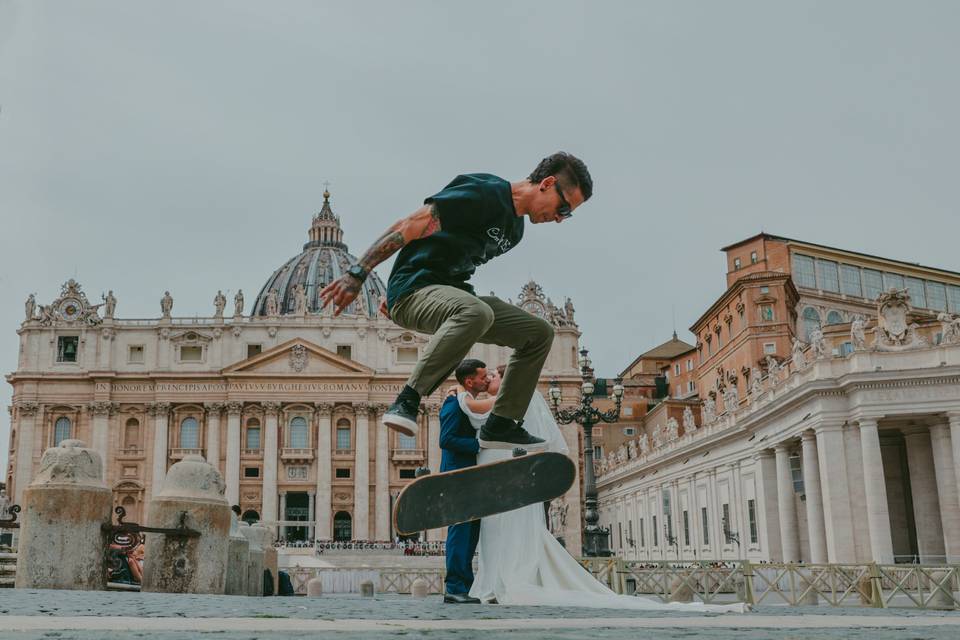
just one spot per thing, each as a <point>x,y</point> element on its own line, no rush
<point>255,566</point>
<point>419,589</point>
<point>238,560</point>
<point>314,587</point>
<point>680,591</point>
<point>366,589</point>
<point>62,543</point>
<point>188,565</point>
<point>270,561</point>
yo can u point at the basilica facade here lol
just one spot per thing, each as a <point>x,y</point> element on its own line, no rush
<point>285,399</point>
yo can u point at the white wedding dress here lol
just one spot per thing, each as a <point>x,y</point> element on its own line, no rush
<point>521,563</point>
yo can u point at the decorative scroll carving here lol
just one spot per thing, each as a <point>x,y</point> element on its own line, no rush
<point>103,408</point>
<point>158,408</point>
<point>234,408</point>
<point>299,358</point>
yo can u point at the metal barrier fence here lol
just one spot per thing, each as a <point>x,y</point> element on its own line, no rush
<point>836,585</point>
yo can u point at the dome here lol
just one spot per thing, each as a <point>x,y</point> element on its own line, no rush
<point>324,259</point>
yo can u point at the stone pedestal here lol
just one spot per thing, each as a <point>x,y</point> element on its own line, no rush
<point>419,588</point>
<point>255,564</point>
<point>188,565</point>
<point>62,543</point>
<point>238,560</point>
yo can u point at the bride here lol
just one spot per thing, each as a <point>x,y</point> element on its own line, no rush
<point>520,562</point>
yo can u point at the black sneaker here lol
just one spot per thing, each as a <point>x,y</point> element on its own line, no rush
<point>402,414</point>
<point>504,433</point>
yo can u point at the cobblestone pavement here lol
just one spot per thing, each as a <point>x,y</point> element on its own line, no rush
<point>28,614</point>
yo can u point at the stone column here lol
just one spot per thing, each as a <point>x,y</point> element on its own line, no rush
<point>101,427</point>
<point>270,453</point>
<point>361,478</point>
<point>160,412</point>
<point>324,471</point>
<point>283,515</point>
<point>382,502</point>
<point>953,418</point>
<point>433,453</point>
<point>875,490</point>
<point>837,513</point>
<point>767,515</point>
<point>311,516</point>
<point>923,490</point>
<point>944,470</point>
<point>786,511</point>
<point>26,419</point>
<point>232,477</point>
<point>213,433</point>
<point>811,484</point>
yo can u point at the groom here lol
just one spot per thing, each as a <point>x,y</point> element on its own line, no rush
<point>458,441</point>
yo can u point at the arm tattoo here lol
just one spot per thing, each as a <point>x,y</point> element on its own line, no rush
<point>433,224</point>
<point>388,244</point>
<point>416,227</point>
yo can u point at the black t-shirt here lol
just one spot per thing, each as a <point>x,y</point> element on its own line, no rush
<point>477,222</point>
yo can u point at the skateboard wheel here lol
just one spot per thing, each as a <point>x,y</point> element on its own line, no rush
<point>519,451</point>
<point>421,471</point>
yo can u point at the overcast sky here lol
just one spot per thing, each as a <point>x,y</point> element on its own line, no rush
<point>147,146</point>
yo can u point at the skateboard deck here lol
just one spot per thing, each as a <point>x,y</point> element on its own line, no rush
<point>443,499</point>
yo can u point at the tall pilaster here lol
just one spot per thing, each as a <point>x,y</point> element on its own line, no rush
<point>102,411</point>
<point>311,515</point>
<point>361,480</point>
<point>786,506</point>
<point>943,467</point>
<point>382,502</point>
<point>213,410</point>
<point>26,421</point>
<point>270,455</point>
<point>923,490</point>
<point>283,515</point>
<point>232,470</point>
<point>811,484</point>
<point>953,419</point>
<point>875,491</point>
<point>433,453</point>
<point>324,506</point>
<point>161,414</point>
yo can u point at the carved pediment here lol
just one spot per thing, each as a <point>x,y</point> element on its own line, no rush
<point>190,337</point>
<point>297,357</point>
<point>408,339</point>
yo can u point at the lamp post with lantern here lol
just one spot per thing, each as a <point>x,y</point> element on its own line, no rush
<point>596,539</point>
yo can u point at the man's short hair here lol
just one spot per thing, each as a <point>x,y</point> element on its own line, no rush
<point>569,170</point>
<point>467,368</point>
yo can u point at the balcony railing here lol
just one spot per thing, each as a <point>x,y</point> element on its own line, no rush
<point>179,454</point>
<point>343,452</point>
<point>408,455</point>
<point>296,454</point>
<point>252,453</point>
<point>131,452</point>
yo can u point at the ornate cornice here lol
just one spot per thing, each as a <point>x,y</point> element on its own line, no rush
<point>103,408</point>
<point>270,406</point>
<point>26,409</point>
<point>234,408</point>
<point>213,408</point>
<point>158,408</point>
<point>323,408</point>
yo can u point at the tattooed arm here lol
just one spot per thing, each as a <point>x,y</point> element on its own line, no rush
<point>422,223</point>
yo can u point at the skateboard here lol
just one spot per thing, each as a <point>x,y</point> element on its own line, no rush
<point>443,499</point>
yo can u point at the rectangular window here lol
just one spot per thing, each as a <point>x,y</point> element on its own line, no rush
<point>689,364</point>
<point>686,528</point>
<point>254,349</point>
<point>656,534</point>
<point>764,290</point>
<point>135,354</point>
<point>803,271</point>
<point>736,263</point>
<point>953,298</point>
<point>676,369</point>
<point>872,284</point>
<point>827,276</point>
<point>850,280</point>
<point>343,473</point>
<point>344,351</point>
<point>892,281</point>
<point>253,438</point>
<point>691,386</point>
<point>191,353</point>
<point>918,296</point>
<point>67,347</point>
<point>407,355</point>
<point>628,411</point>
<point>343,437</point>
<point>408,474</point>
<point>753,257</point>
<point>643,534</point>
<point>406,442</point>
<point>620,533</point>
<point>705,522</point>
<point>752,515</point>
<point>846,348</point>
<point>936,296</point>
<point>725,521</point>
<point>629,431</point>
<point>769,348</point>
<point>597,452</point>
<point>251,472</point>
<point>796,474</point>
<point>766,313</point>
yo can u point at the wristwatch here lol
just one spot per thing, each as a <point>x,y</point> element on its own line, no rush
<point>358,272</point>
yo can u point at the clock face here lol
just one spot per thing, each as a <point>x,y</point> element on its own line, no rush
<point>70,309</point>
<point>534,308</point>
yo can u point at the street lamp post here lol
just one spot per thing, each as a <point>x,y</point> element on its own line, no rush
<point>596,539</point>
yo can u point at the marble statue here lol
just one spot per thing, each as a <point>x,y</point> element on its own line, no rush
<point>109,304</point>
<point>949,328</point>
<point>689,423</point>
<point>4,505</point>
<point>238,303</point>
<point>300,300</point>
<point>219,302</point>
<point>166,304</point>
<point>568,311</point>
<point>621,454</point>
<point>644,443</point>
<point>756,386</point>
<point>818,345</point>
<point>673,429</point>
<point>30,307</point>
<point>773,370</point>
<point>798,358</point>
<point>731,398</point>
<point>858,333</point>
<point>709,410</point>
<point>632,449</point>
<point>272,304</point>
<point>657,437</point>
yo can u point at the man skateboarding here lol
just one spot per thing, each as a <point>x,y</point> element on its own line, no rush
<point>472,220</point>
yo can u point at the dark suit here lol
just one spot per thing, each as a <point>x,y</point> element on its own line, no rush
<point>458,440</point>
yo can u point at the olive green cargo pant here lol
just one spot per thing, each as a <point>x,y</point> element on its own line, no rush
<point>458,320</point>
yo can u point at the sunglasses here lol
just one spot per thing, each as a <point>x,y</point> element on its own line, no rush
<point>564,210</point>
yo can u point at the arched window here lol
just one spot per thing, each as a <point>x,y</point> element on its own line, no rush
<point>298,433</point>
<point>131,434</point>
<point>189,434</point>
<point>61,430</point>
<point>834,317</point>
<point>343,433</point>
<point>253,434</point>
<point>342,527</point>
<point>811,321</point>
<point>250,516</point>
